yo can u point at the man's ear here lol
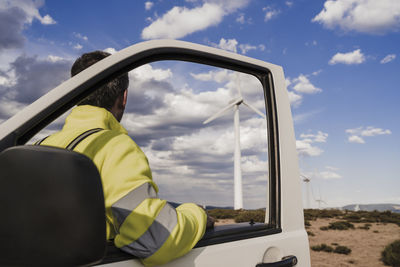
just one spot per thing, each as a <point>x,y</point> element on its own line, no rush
<point>125,99</point>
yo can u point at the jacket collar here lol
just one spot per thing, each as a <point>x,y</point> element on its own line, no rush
<point>89,117</point>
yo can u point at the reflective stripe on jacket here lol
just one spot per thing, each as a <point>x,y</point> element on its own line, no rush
<point>140,223</point>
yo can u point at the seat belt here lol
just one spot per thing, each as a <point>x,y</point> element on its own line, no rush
<point>77,140</point>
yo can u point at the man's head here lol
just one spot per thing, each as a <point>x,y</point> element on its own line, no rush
<point>111,96</point>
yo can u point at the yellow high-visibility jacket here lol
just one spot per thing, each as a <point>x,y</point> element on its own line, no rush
<point>139,222</point>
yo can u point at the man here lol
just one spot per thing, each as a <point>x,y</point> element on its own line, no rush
<point>139,222</point>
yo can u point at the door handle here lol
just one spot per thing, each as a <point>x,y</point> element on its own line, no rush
<point>287,261</point>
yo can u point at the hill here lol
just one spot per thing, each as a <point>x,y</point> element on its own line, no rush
<point>372,207</point>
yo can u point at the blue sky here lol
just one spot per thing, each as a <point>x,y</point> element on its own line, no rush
<point>341,62</point>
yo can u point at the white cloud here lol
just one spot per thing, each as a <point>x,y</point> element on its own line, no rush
<point>295,99</point>
<point>368,131</point>
<point>233,45</point>
<point>181,21</point>
<point>251,87</point>
<point>80,36</point>
<point>289,3</point>
<point>228,5</point>
<point>53,59</point>
<point>219,76</point>
<point>244,48</point>
<point>367,16</point>
<point>148,5</point>
<point>229,45</point>
<point>304,145</point>
<point>288,82</point>
<point>316,73</point>
<point>306,149</point>
<point>313,43</point>
<point>320,137</point>
<point>356,134</point>
<point>355,57</point>
<point>388,58</point>
<point>327,175</point>
<point>240,19</point>
<point>330,168</point>
<point>254,164</point>
<point>147,72</point>
<point>110,50</point>
<point>9,107</point>
<point>371,131</point>
<point>270,13</point>
<point>356,139</point>
<point>303,85</point>
<point>31,9</point>
<point>78,47</point>
<point>47,20</point>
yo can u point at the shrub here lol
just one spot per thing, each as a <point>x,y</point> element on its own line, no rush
<point>322,247</point>
<point>307,223</point>
<point>391,254</point>
<point>342,250</point>
<point>311,214</point>
<point>248,215</point>
<point>223,213</point>
<point>310,233</point>
<point>365,227</point>
<point>324,228</point>
<point>340,225</point>
<point>352,217</point>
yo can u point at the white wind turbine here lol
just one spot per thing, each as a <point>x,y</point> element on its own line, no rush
<point>235,103</point>
<point>320,200</point>
<point>307,181</point>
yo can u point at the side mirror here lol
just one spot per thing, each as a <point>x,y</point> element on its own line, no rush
<point>52,207</point>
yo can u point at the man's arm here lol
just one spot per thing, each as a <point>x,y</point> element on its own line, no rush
<point>145,225</point>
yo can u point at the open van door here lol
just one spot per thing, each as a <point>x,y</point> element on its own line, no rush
<point>281,240</point>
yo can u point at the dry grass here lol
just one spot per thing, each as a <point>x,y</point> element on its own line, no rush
<point>372,232</point>
<point>366,245</point>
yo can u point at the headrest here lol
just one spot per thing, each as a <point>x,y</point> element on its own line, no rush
<point>52,208</point>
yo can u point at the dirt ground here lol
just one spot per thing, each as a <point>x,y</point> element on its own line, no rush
<point>366,245</point>
<point>224,221</point>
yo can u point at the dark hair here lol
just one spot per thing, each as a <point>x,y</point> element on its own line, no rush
<point>107,94</point>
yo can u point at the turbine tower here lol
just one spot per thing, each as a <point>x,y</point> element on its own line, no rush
<point>307,181</point>
<point>320,200</point>
<point>234,104</point>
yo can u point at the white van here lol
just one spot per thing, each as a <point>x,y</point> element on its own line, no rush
<point>52,202</point>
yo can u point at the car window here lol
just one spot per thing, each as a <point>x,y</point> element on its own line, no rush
<point>193,161</point>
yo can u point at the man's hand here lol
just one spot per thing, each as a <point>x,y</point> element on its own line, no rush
<point>210,222</point>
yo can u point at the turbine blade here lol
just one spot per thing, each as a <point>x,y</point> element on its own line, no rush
<point>219,113</point>
<point>254,109</point>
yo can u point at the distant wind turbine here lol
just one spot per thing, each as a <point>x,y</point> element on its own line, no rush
<point>307,181</point>
<point>320,200</point>
<point>235,103</point>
